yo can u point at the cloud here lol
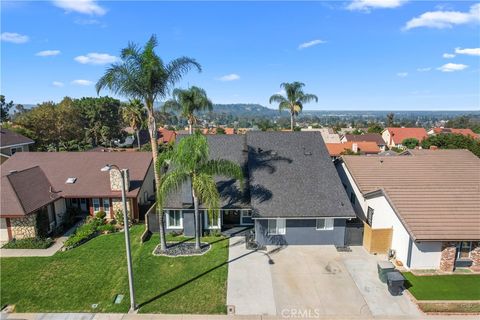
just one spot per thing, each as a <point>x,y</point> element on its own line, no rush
<point>81,6</point>
<point>82,82</point>
<point>402,74</point>
<point>424,69</point>
<point>229,77</point>
<point>58,84</point>
<point>470,52</point>
<point>96,58</point>
<point>452,67</point>
<point>445,19</point>
<point>14,37</point>
<point>310,44</point>
<point>448,55</point>
<point>366,5</point>
<point>48,53</point>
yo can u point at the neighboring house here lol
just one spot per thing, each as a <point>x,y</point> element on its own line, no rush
<point>214,131</point>
<point>164,136</point>
<point>394,137</point>
<point>12,142</point>
<point>328,135</point>
<point>370,137</point>
<point>362,147</point>
<point>292,193</point>
<point>465,132</point>
<point>48,183</point>
<point>423,207</point>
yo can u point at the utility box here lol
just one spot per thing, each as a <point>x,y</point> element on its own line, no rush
<point>383,268</point>
<point>395,282</point>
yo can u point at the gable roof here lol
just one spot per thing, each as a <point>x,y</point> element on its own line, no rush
<point>85,166</point>
<point>435,193</point>
<point>9,138</point>
<point>400,134</point>
<point>25,191</point>
<point>368,147</point>
<point>372,137</point>
<point>465,132</point>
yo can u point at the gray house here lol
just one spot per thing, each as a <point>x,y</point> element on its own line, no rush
<point>292,193</point>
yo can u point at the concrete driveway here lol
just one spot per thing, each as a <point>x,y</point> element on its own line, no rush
<point>310,282</point>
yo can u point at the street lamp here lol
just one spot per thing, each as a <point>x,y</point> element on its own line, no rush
<point>123,174</point>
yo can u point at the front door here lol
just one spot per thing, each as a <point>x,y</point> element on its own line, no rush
<point>83,205</point>
<point>231,218</point>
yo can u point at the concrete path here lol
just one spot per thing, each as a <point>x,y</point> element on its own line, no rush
<point>249,282</point>
<point>9,253</point>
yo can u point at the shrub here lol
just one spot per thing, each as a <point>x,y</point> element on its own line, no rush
<point>81,235</point>
<point>410,143</point>
<point>107,228</point>
<point>215,233</point>
<point>29,243</point>
<point>101,215</point>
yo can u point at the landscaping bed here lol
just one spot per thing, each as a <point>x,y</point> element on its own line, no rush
<point>449,307</point>
<point>89,230</point>
<point>178,249</point>
<point>29,243</point>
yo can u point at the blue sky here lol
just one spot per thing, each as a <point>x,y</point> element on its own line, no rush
<point>361,55</point>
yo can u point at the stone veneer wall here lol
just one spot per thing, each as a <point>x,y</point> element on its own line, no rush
<point>475,256</point>
<point>116,180</point>
<point>24,227</point>
<point>447,259</point>
<point>118,206</point>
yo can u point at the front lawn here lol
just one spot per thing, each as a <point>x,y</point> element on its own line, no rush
<point>95,272</point>
<point>444,287</point>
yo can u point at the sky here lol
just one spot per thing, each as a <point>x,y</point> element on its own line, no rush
<point>354,55</point>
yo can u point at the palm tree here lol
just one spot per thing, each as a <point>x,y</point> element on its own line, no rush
<point>294,101</point>
<point>142,74</point>
<point>189,101</point>
<point>191,164</point>
<point>133,113</point>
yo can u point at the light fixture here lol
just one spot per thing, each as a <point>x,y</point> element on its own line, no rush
<point>106,168</point>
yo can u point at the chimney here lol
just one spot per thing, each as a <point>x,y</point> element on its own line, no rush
<point>116,180</point>
<point>355,147</point>
<point>433,147</point>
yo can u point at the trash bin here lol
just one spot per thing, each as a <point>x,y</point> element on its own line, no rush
<point>395,282</point>
<point>384,267</point>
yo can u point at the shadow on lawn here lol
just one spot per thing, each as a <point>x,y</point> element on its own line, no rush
<point>194,278</point>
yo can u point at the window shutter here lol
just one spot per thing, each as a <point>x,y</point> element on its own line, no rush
<point>281,226</point>
<point>329,224</point>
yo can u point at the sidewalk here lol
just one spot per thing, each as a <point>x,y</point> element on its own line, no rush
<point>9,253</point>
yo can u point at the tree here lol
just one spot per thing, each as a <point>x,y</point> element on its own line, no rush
<point>5,109</point>
<point>143,75</point>
<point>189,101</point>
<point>375,128</point>
<point>390,119</point>
<point>410,143</point>
<point>190,164</point>
<point>220,130</point>
<point>453,141</point>
<point>294,100</point>
<point>133,113</point>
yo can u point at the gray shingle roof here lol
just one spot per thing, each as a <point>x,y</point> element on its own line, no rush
<point>11,138</point>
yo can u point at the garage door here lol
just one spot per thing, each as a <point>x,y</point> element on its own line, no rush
<point>354,233</point>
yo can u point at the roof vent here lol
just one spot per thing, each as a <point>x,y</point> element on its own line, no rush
<point>71,180</point>
<point>307,153</point>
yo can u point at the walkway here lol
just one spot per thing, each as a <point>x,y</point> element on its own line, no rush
<point>9,253</point>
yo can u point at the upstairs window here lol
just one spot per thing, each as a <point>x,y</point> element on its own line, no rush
<point>324,224</point>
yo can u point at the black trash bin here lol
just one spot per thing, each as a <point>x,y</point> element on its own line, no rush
<point>395,282</point>
<point>383,268</point>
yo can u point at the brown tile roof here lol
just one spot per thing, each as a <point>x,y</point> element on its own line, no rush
<point>400,134</point>
<point>435,193</point>
<point>25,191</point>
<point>367,147</point>
<point>373,137</point>
<point>11,138</point>
<point>85,166</point>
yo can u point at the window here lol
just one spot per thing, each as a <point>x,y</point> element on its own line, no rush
<point>15,150</point>
<point>174,219</point>
<point>246,217</point>
<point>106,206</point>
<point>212,219</point>
<point>352,197</point>
<point>370,212</point>
<point>463,249</point>
<point>96,204</point>
<point>324,224</point>
<point>276,226</point>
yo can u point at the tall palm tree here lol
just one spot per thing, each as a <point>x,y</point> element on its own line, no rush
<point>294,100</point>
<point>133,113</point>
<point>189,101</point>
<point>142,74</point>
<point>191,164</point>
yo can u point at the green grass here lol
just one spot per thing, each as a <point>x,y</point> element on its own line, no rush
<point>95,272</point>
<point>444,287</point>
<point>29,243</point>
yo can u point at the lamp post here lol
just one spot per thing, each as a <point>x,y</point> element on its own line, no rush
<point>123,174</point>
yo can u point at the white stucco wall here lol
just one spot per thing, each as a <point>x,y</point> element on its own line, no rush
<point>426,255</point>
<point>360,205</point>
<point>147,185</point>
<point>3,230</point>
<point>60,210</point>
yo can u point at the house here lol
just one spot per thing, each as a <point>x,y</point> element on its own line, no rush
<point>214,130</point>
<point>394,137</point>
<point>370,137</point>
<point>12,142</point>
<point>292,193</point>
<point>423,208</point>
<point>44,185</point>
<point>465,132</point>
<point>328,135</point>
<point>361,147</point>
